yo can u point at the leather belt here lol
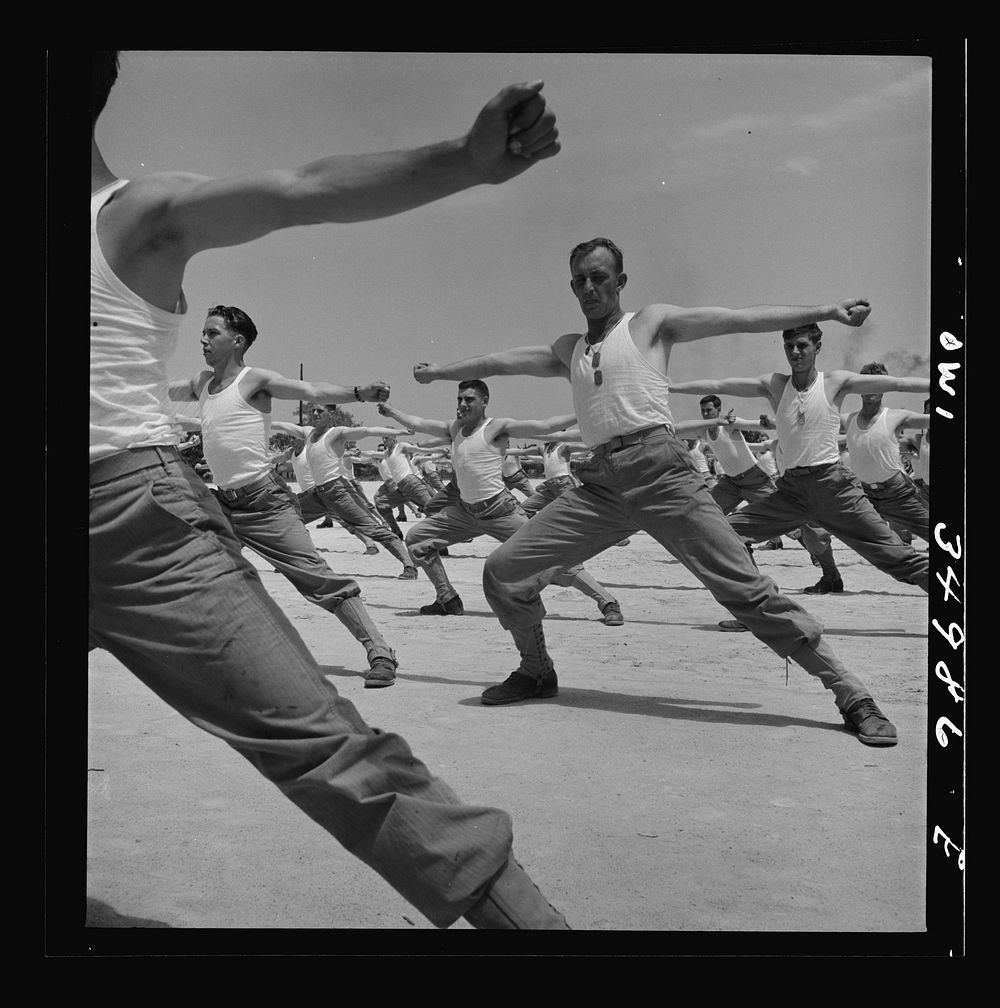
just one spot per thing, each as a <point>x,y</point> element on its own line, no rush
<point>883,484</point>
<point>748,472</point>
<point>806,470</point>
<point>484,505</point>
<point>129,461</point>
<point>247,488</point>
<point>636,437</point>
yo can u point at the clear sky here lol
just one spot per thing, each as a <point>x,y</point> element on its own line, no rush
<point>726,179</point>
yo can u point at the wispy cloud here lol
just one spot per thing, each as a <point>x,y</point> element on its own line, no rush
<point>863,105</point>
<point>800,166</point>
<point>843,114</point>
<point>729,127</point>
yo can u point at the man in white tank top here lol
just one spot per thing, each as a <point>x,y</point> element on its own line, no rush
<point>403,486</point>
<point>917,448</point>
<point>235,413</point>
<point>873,434</point>
<point>172,597</point>
<point>642,476</point>
<point>353,456</point>
<point>334,491</point>
<point>485,505</point>
<point>814,485</point>
<point>307,501</point>
<point>514,476</point>
<point>426,462</point>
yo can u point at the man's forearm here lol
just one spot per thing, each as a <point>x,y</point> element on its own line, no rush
<point>408,420</point>
<point>346,188</point>
<point>541,428</point>
<point>334,395</point>
<point>484,366</point>
<point>745,388</point>
<point>776,318</point>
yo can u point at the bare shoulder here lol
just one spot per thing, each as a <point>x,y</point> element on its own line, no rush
<point>139,219</point>
<point>563,346</point>
<point>199,381</point>
<point>149,199</point>
<point>838,377</point>
<point>655,320</point>
<point>158,187</point>
<point>497,427</point>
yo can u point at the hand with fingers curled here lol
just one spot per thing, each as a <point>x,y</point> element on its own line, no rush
<point>513,131</point>
<point>377,391</point>
<point>423,372</point>
<point>853,311</point>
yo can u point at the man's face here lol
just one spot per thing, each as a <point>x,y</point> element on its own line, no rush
<point>800,352</point>
<point>596,283</point>
<point>218,341</point>
<point>709,411</point>
<point>471,406</point>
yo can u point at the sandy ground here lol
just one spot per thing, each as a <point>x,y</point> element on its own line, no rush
<point>677,782</point>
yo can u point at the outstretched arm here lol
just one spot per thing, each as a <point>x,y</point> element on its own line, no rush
<point>184,391</point>
<point>190,212</point>
<point>536,361</point>
<point>570,434</point>
<point>907,420</point>
<point>438,428</point>
<point>870,384</point>
<point>281,387</point>
<point>286,427</point>
<point>442,442</point>
<point>534,428</point>
<point>356,433</point>
<point>187,423</point>
<point>746,388</point>
<point>682,325</point>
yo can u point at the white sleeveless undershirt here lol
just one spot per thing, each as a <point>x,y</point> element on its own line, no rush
<point>874,452</point>
<point>130,343</point>
<point>383,471</point>
<point>399,464</point>
<point>766,461</point>
<point>324,463</point>
<point>477,464</point>
<point>700,462</point>
<point>732,455</point>
<point>554,463</point>
<point>814,441</point>
<point>300,465</point>
<point>632,395</point>
<point>924,458</point>
<point>234,435</point>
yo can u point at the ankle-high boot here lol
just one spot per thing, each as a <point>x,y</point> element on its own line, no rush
<point>534,677</point>
<point>514,902</point>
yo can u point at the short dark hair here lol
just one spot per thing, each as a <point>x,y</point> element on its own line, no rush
<point>476,385</point>
<point>874,368</point>
<point>810,329</point>
<point>103,74</point>
<point>713,399</point>
<point>237,320</point>
<point>588,246</point>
